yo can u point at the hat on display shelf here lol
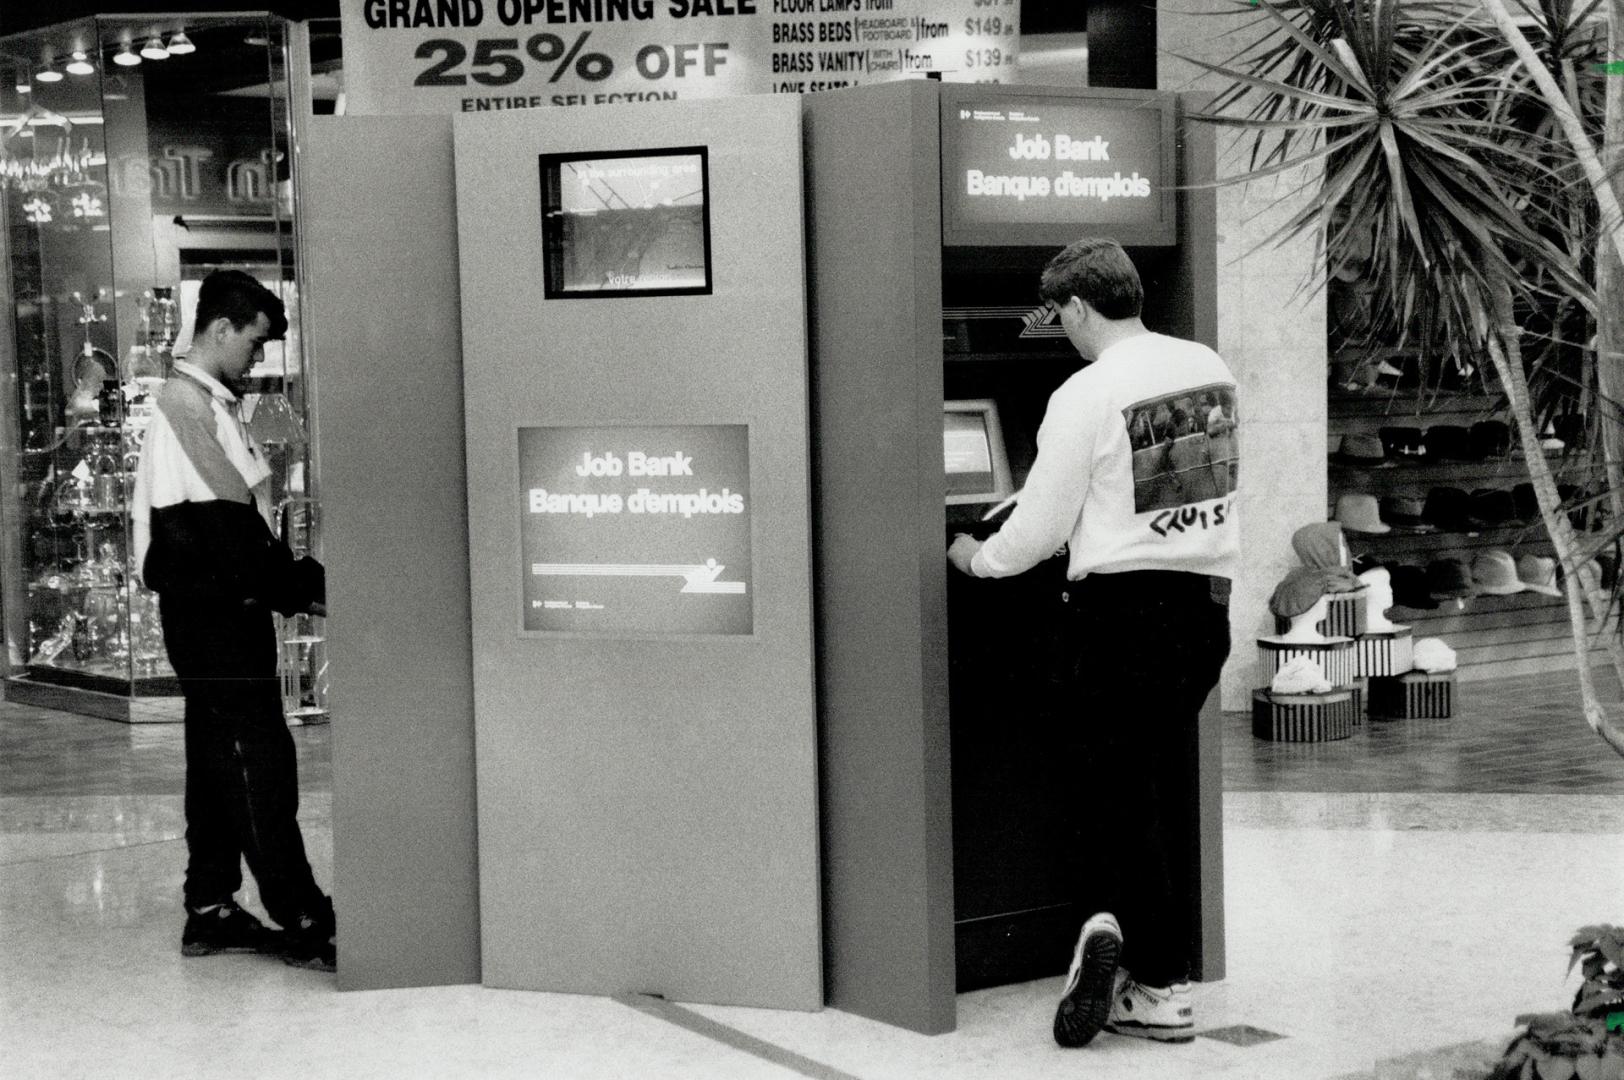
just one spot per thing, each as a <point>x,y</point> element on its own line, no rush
<point>1404,511</point>
<point>1411,587</point>
<point>1538,574</point>
<point>1494,573</point>
<point>1433,656</point>
<point>1450,578</point>
<point>1360,513</point>
<point>1361,451</point>
<point>1492,508</point>
<point>1490,438</point>
<point>1403,443</point>
<point>1448,508</point>
<point>1526,501</point>
<point>1448,442</point>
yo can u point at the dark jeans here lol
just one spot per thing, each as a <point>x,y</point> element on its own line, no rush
<point>242,784</point>
<point>1149,646</point>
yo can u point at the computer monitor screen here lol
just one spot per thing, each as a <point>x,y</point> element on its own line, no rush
<point>626,223</point>
<point>973,453</point>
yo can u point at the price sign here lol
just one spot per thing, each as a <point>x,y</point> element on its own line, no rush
<point>435,56</point>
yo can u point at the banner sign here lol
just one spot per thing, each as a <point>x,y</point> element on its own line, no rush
<point>437,56</point>
<point>640,530</point>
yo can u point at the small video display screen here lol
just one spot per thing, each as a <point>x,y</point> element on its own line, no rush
<point>632,223</point>
<point>976,462</point>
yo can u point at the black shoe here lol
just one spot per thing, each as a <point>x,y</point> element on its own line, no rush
<point>226,928</point>
<point>1086,1003</point>
<point>311,943</point>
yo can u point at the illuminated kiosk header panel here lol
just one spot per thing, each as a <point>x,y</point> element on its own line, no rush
<point>973,453</point>
<point>1038,168</point>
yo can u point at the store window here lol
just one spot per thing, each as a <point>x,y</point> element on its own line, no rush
<point>137,154</point>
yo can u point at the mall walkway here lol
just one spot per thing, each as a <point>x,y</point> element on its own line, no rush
<point>1372,933</point>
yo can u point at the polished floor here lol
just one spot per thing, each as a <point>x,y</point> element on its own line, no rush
<point>1394,900</point>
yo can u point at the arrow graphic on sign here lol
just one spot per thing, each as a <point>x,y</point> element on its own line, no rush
<point>697,578</point>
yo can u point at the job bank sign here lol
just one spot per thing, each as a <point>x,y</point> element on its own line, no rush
<point>635,530</point>
<point>437,56</point>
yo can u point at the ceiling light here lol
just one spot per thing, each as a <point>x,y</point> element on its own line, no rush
<point>180,44</point>
<point>154,49</point>
<point>125,57</point>
<point>24,83</point>
<point>48,73</point>
<point>80,64</point>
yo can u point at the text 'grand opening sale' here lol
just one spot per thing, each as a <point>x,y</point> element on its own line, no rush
<point>635,529</point>
<point>438,56</point>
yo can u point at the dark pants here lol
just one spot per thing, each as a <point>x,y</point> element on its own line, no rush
<point>242,784</point>
<point>1149,646</point>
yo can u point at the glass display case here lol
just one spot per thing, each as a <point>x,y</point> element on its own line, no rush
<point>137,154</point>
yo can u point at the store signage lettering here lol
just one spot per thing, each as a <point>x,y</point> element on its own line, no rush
<point>424,56</point>
<point>635,530</point>
<point>1036,161</point>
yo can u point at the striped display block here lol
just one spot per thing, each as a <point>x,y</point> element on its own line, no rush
<point>1344,616</point>
<point>1335,656</point>
<point>1414,695</point>
<point>1302,718</point>
<point>1361,699</point>
<point>1385,652</point>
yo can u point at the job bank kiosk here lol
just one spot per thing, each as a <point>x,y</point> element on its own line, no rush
<point>643,431</point>
<point>948,861</point>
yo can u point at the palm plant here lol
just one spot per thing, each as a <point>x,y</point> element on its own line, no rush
<point>1421,128</point>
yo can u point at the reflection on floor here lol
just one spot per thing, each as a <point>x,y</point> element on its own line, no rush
<point>1383,931</point>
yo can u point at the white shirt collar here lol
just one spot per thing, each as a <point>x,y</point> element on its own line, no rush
<point>215,386</point>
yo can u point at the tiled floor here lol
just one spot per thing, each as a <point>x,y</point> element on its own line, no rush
<point>1393,901</point>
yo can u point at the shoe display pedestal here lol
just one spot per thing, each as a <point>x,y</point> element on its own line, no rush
<point>1414,695</point>
<point>1303,718</point>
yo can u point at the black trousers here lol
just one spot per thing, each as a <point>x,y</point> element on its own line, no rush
<point>242,784</point>
<point>1148,648</point>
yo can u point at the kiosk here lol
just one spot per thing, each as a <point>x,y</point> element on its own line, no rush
<point>947,861</point>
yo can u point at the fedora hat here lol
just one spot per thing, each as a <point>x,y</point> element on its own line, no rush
<point>1447,508</point>
<point>1449,578</point>
<point>1403,443</point>
<point>1495,572</point>
<point>1449,442</point>
<point>1527,502</point>
<point>1538,574</point>
<point>1492,508</point>
<point>1360,513</point>
<point>1404,511</point>
<point>1490,438</point>
<point>1410,587</point>
<point>1361,451</point>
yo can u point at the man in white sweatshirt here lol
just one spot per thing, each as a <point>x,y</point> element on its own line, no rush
<point>1135,472</point>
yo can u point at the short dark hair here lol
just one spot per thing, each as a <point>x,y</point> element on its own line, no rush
<point>1097,271</point>
<point>233,295</point>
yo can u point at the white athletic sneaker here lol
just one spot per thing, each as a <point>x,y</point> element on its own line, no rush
<point>1087,1002</point>
<point>1150,1012</point>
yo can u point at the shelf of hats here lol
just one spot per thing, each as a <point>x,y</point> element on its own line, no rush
<point>1430,487</point>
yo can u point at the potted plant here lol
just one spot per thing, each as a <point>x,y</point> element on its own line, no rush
<point>1586,1043</point>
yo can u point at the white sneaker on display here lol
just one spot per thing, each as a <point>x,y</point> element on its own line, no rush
<point>1151,1012</point>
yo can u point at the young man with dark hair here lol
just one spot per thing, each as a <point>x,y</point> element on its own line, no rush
<point>203,543</point>
<point>1147,512</point>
